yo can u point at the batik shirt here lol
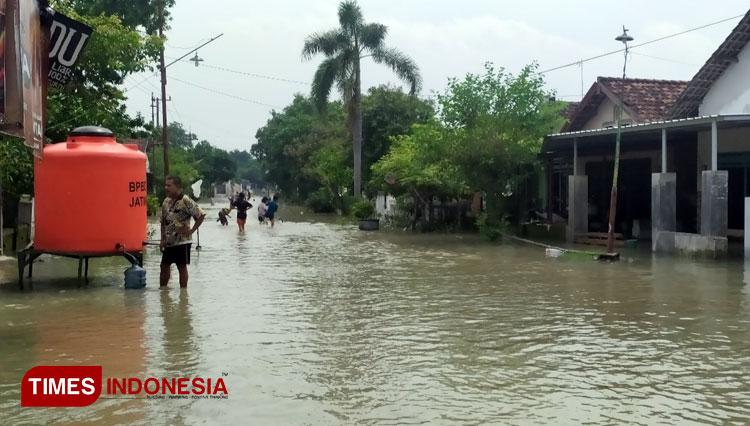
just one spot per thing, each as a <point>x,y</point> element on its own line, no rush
<point>175,215</point>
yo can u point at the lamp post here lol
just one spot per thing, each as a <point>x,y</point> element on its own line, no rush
<point>163,71</point>
<point>624,38</point>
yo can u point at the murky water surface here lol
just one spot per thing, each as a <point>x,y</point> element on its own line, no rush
<point>319,324</point>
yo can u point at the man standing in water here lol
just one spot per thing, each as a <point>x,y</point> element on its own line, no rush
<point>176,232</point>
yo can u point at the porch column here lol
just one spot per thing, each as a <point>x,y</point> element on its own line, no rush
<point>714,203</point>
<point>550,170</point>
<point>714,147</point>
<point>663,199</point>
<point>578,206</point>
<point>714,193</point>
<point>575,157</point>
<point>663,205</point>
<point>663,150</point>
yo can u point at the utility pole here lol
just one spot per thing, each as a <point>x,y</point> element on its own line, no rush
<point>624,39</point>
<point>163,69</point>
<point>153,105</point>
<point>164,139</point>
<point>156,107</point>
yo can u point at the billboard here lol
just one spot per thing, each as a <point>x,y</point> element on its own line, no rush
<point>23,78</point>
<point>31,58</point>
<point>32,48</point>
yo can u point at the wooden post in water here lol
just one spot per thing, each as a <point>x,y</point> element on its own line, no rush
<point>613,194</point>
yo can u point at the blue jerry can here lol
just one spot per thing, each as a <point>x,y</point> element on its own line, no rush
<point>135,277</point>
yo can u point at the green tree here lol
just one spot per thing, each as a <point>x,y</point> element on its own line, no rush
<point>344,48</point>
<point>499,121</point>
<point>178,137</point>
<point>330,167</point>
<point>94,94</point>
<point>421,165</point>
<point>288,141</point>
<point>387,112</point>
<point>248,167</point>
<point>132,13</point>
<point>16,166</point>
<point>181,163</point>
<point>214,165</point>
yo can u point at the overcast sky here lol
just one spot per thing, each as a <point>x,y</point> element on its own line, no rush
<point>447,38</point>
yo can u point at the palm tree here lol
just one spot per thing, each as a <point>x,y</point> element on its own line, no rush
<point>344,47</point>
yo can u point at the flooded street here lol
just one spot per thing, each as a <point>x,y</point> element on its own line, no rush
<point>315,323</point>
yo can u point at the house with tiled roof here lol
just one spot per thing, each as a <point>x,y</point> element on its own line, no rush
<point>643,101</point>
<point>685,156</point>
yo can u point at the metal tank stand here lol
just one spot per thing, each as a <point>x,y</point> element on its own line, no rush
<point>27,256</point>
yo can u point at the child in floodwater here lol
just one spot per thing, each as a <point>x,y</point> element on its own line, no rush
<point>223,215</point>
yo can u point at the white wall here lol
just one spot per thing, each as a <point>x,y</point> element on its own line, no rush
<point>385,205</point>
<point>605,113</point>
<point>730,94</point>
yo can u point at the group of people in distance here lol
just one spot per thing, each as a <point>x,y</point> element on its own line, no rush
<point>266,210</point>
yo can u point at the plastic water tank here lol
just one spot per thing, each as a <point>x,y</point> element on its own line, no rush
<point>90,194</point>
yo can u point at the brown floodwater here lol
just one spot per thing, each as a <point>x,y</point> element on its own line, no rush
<point>316,323</point>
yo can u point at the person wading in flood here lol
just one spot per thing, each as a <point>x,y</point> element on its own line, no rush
<point>271,209</point>
<point>242,207</point>
<point>176,232</point>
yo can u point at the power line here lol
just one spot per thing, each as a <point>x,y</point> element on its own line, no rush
<point>641,44</point>
<point>141,89</point>
<point>663,59</point>
<point>224,94</point>
<point>223,129</point>
<point>76,117</point>
<point>257,75</point>
<point>267,77</point>
<point>174,107</point>
<point>145,78</point>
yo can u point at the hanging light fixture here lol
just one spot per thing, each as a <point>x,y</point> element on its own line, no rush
<point>624,37</point>
<point>196,59</point>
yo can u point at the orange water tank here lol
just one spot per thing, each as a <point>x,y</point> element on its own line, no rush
<point>90,194</point>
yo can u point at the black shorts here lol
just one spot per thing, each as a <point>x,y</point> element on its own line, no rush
<point>270,216</point>
<point>261,219</point>
<point>179,255</point>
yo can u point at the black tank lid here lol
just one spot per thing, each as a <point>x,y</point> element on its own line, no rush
<point>92,131</point>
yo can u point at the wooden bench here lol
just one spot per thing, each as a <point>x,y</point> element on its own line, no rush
<point>598,239</point>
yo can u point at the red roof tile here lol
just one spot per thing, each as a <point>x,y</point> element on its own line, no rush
<point>569,110</point>
<point>645,100</point>
<point>650,100</point>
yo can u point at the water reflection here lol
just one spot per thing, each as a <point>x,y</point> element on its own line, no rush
<point>181,355</point>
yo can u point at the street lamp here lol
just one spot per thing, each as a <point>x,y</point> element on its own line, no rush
<point>624,38</point>
<point>163,69</point>
<point>196,59</point>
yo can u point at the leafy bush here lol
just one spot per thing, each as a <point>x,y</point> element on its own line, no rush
<point>152,205</point>
<point>320,201</point>
<point>363,209</point>
<point>491,229</point>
